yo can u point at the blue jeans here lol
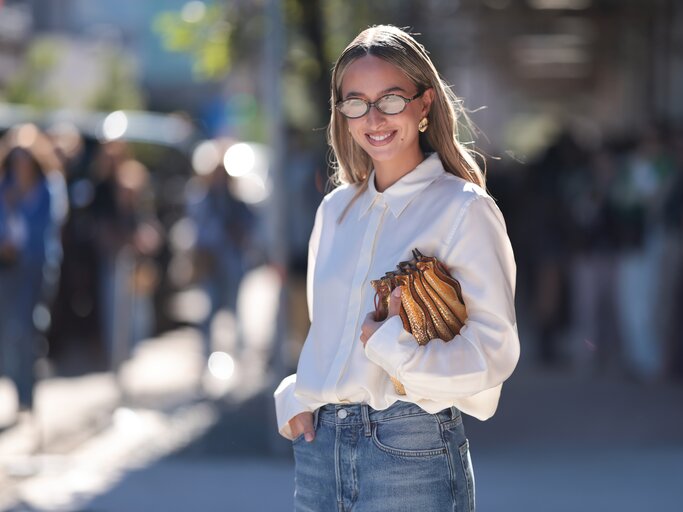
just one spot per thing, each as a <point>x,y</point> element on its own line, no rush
<point>397,459</point>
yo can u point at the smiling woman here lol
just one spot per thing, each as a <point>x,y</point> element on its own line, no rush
<point>406,182</point>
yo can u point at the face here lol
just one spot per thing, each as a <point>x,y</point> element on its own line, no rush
<point>385,138</point>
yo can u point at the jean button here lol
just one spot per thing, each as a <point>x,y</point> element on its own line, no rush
<point>342,413</point>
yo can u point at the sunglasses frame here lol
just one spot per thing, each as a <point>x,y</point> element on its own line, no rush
<point>370,104</point>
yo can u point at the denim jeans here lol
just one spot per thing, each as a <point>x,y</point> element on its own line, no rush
<point>397,459</point>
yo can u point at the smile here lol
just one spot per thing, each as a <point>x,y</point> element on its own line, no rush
<point>380,139</point>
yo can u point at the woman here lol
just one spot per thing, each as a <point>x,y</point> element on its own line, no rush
<point>25,202</point>
<point>407,183</point>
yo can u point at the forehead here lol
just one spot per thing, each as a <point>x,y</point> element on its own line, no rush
<point>370,76</point>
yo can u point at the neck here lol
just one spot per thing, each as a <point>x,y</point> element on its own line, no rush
<point>389,172</point>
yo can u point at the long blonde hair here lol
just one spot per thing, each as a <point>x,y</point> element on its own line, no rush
<point>351,163</point>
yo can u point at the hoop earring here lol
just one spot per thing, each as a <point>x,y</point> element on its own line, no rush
<point>424,124</point>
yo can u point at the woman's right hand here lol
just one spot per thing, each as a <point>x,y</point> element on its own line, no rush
<point>302,423</point>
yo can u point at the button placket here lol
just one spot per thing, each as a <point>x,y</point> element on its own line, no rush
<point>353,317</point>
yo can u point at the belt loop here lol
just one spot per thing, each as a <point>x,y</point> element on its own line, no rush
<point>454,412</point>
<point>366,419</point>
<point>316,415</point>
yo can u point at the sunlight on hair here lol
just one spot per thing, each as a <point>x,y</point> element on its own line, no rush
<point>221,365</point>
<point>115,125</point>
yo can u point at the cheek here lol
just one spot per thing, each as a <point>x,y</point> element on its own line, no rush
<point>357,133</point>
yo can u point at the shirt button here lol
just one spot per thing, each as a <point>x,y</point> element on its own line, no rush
<point>342,413</point>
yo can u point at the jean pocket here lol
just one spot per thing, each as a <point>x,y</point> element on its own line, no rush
<point>298,438</point>
<point>409,436</point>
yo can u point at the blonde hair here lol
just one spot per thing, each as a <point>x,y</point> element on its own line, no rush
<point>350,162</point>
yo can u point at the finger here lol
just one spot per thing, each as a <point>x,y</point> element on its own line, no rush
<point>307,427</point>
<point>395,301</point>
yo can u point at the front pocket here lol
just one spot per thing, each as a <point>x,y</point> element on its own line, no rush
<point>409,436</point>
<point>298,438</point>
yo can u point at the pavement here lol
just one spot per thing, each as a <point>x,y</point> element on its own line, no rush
<point>165,434</point>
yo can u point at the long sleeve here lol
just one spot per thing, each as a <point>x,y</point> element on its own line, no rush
<point>286,404</point>
<point>313,244</point>
<point>484,354</point>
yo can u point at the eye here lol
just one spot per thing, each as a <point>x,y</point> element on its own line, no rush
<point>353,107</point>
<point>391,104</point>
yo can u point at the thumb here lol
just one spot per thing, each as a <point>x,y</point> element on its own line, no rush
<point>395,301</point>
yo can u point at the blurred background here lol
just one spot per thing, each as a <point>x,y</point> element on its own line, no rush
<point>160,166</point>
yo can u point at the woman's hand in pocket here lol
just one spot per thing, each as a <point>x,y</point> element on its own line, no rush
<point>302,423</point>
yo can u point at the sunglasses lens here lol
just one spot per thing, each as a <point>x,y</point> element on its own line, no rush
<point>391,104</point>
<point>353,108</point>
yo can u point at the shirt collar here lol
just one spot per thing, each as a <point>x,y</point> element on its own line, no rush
<point>400,194</point>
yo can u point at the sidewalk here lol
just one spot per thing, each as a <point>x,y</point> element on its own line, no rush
<point>88,432</point>
<point>559,442</point>
<point>152,389</point>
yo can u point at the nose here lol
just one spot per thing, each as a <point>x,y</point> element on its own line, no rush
<point>374,117</point>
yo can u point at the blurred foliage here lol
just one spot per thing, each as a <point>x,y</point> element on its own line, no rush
<point>202,31</point>
<point>227,36</point>
<point>46,78</point>
<point>29,85</point>
<point>119,88</point>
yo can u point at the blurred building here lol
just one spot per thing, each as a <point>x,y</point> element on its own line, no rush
<point>600,66</point>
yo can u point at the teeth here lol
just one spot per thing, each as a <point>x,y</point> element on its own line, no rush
<point>379,137</point>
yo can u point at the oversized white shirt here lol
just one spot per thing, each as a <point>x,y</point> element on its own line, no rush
<point>441,215</point>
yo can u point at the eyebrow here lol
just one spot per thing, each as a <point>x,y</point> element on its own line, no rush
<point>351,94</point>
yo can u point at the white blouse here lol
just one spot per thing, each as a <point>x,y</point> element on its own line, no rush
<point>441,215</point>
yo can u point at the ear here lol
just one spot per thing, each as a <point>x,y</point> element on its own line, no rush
<point>427,99</point>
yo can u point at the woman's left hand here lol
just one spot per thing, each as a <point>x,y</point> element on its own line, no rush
<point>370,325</point>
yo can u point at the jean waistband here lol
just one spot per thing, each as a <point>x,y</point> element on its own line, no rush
<point>356,413</point>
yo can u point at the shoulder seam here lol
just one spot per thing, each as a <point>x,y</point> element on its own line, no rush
<point>459,218</point>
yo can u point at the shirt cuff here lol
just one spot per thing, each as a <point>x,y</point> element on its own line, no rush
<point>287,406</point>
<point>391,346</point>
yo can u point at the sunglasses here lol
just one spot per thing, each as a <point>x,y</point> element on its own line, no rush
<point>389,104</point>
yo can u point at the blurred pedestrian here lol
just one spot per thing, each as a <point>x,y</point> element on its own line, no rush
<point>547,214</point>
<point>111,235</point>
<point>26,226</point>
<point>671,293</point>
<point>128,236</point>
<point>638,198</point>
<point>408,182</point>
<point>593,247</point>
<point>225,229</point>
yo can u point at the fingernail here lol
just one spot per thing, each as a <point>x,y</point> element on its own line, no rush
<point>308,436</point>
<point>396,292</point>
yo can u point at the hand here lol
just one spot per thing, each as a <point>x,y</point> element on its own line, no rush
<point>302,423</point>
<point>370,325</point>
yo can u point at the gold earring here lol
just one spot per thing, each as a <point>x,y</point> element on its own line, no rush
<point>424,124</point>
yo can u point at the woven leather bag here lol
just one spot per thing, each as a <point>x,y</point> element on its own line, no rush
<point>431,300</point>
